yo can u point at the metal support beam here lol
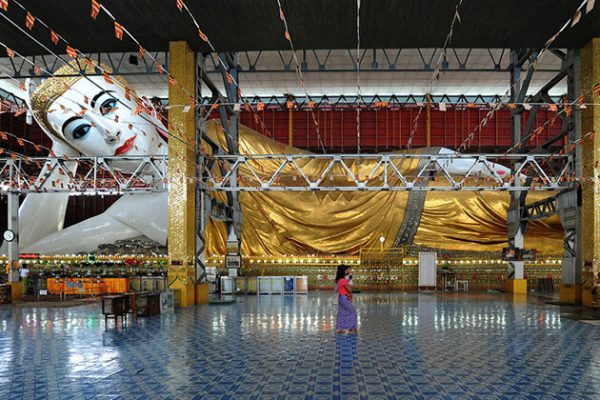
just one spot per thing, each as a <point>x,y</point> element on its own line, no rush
<point>13,246</point>
<point>516,211</point>
<point>387,172</point>
<point>230,123</point>
<point>341,102</point>
<point>540,209</point>
<point>201,196</point>
<point>380,60</point>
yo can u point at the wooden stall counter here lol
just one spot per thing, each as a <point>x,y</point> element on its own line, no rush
<point>87,286</point>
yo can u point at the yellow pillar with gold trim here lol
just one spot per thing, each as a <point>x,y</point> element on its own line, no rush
<point>590,121</point>
<point>181,224</point>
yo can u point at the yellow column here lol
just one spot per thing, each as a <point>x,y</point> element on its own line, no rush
<point>590,118</point>
<point>182,125</point>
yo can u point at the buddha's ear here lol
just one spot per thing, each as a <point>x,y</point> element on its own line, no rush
<point>28,91</point>
<point>29,88</point>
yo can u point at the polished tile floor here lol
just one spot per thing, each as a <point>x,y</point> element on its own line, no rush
<point>453,346</point>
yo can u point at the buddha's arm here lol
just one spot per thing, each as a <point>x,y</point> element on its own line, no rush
<point>128,217</point>
<point>41,214</point>
<point>85,236</point>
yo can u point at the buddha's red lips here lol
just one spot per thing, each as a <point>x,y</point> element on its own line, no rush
<point>125,147</point>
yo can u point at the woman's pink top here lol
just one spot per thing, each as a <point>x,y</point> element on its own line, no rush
<point>341,287</point>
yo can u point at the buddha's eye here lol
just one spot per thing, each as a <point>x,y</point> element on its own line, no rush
<point>77,128</point>
<point>81,131</point>
<point>107,106</point>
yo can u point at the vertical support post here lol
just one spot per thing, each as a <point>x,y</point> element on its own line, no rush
<point>516,228</point>
<point>201,197</point>
<point>590,214</point>
<point>181,216</point>
<point>13,246</point>
<point>567,202</point>
<point>229,121</point>
<point>428,121</point>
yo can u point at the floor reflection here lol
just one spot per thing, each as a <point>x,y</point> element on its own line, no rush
<point>409,346</point>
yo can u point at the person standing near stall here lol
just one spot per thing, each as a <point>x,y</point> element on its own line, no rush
<point>346,316</point>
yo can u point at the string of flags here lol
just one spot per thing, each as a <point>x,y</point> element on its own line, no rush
<point>436,71</point>
<point>182,7</point>
<point>288,37</point>
<point>74,53</point>
<point>572,21</point>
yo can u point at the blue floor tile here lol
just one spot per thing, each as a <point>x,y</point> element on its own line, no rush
<point>474,346</point>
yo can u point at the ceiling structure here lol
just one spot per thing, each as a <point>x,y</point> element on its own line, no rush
<point>407,35</point>
<point>234,25</point>
<point>265,74</point>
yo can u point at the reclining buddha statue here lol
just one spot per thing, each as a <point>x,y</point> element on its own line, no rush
<point>274,223</point>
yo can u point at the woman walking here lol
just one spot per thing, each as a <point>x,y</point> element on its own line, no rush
<point>346,316</point>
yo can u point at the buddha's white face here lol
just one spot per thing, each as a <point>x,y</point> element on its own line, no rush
<point>112,129</point>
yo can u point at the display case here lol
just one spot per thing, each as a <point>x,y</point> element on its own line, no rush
<point>289,284</point>
<point>167,302</point>
<point>301,284</point>
<point>227,285</point>
<point>264,285</point>
<point>240,284</point>
<point>251,285</point>
<point>276,285</point>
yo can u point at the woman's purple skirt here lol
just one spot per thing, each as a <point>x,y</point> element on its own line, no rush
<point>346,316</point>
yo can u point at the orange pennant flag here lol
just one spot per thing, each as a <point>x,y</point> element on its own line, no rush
<point>10,53</point>
<point>568,111</point>
<point>4,5</point>
<point>95,9</point>
<point>552,107</point>
<point>180,5</point>
<point>202,36</point>
<point>138,109</point>
<point>172,81</point>
<point>127,93</point>
<point>311,104</point>
<point>287,35</point>
<point>54,37</point>
<point>107,78</point>
<point>260,106</point>
<point>118,31</point>
<point>289,104</point>
<point>160,68</point>
<point>37,70</point>
<point>141,53</point>
<point>71,52</point>
<point>29,20</point>
<point>229,78</point>
<point>20,142</point>
<point>3,136</point>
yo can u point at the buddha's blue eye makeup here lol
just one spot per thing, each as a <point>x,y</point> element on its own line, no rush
<point>108,106</point>
<point>76,128</point>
